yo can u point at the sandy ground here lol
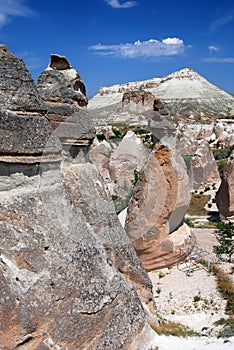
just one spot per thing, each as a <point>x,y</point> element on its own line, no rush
<point>188,294</point>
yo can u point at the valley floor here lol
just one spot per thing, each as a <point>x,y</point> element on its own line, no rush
<point>188,294</point>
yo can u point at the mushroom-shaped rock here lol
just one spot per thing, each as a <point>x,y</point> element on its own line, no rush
<point>63,92</point>
<point>61,87</point>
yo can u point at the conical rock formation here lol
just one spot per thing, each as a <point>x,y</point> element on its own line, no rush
<point>160,201</point>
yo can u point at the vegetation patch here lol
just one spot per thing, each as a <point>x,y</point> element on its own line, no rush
<point>226,240</point>
<point>221,155</point>
<point>173,328</point>
<point>197,204</point>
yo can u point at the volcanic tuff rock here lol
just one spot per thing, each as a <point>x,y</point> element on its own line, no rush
<point>58,285</point>
<point>18,92</point>
<point>25,133</point>
<point>225,194</point>
<point>137,101</point>
<point>204,170</point>
<point>160,200</point>
<point>220,132</point>
<point>125,163</point>
<point>68,272</point>
<point>185,92</point>
<point>63,91</point>
<point>119,165</point>
<point>88,192</point>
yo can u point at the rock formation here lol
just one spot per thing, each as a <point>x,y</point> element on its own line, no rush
<point>64,94</point>
<point>68,272</point>
<point>225,194</point>
<point>25,133</point>
<point>194,143</point>
<point>160,200</point>
<point>160,124</point>
<point>137,101</point>
<point>204,170</point>
<point>125,163</point>
<point>185,92</point>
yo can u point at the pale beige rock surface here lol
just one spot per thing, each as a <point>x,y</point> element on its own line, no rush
<point>204,170</point>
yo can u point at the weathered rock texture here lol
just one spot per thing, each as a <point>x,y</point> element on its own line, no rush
<point>137,101</point>
<point>25,133</point>
<point>160,201</point>
<point>59,287</point>
<point>120,165</point>
<point>204,170</point>
<point>225,194</point>
<point>194,143</point>
<point>18,91</point>
<point>63,91</point>
<point>125,163</point>
<point>160,124</point>
<point>68,273</point>
<point>88,191</point>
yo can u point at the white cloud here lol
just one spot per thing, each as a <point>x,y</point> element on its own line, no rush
<point>213,48</point>
<point>116,4</point>
<point>150,48</point>
<point>13,8</point>
<point>221,21</point>
<point>219,60</point>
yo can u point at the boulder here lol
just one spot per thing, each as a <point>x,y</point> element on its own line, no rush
<point>225,194</point>
<point>160,200</point>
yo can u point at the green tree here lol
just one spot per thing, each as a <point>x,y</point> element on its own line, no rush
<point>225,239</point>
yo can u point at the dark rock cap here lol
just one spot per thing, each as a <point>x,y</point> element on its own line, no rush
<point>25,133</point>
<point>64,95</point>
<point>61,84</point>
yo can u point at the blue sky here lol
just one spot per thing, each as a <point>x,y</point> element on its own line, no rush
<point>116,41</point>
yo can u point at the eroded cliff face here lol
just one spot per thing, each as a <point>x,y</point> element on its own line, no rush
<point>69,277</point>
<point>58,284</point>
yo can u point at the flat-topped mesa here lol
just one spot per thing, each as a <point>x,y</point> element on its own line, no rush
<point>25,133</point>
<point>63,92</point>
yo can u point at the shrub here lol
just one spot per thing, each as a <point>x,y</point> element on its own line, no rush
<point>225,286</point>
<point>225,239</point>
<point>189,222</point>
<point>172,328</point>
<point>161,274</point>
